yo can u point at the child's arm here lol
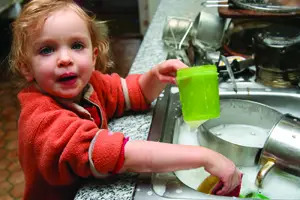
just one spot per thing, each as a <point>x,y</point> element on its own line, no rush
<point>155,80</point>
<point>146,156</point>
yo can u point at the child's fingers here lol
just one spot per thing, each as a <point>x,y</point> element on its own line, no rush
<point>172,65</point>
<point>225,189</point>
<point>167,79</point>
<point>166,71</point>
<point>231,184</point>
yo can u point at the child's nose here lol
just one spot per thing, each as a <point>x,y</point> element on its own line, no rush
<point>64,58</point>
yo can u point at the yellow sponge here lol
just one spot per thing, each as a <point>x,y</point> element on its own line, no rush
<point>208,184</point>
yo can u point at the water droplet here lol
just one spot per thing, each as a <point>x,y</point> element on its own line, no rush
<point>218,134</point>
<point>178,191</point>
<point>252,133</point>
<point>149,193</point>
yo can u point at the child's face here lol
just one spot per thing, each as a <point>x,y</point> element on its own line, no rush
<point>62,57</point>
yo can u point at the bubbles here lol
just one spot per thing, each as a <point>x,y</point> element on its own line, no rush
<point>244,135</point>
<point>174,90</point>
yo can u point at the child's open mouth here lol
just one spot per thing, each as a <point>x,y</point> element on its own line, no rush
<point>67,79</point>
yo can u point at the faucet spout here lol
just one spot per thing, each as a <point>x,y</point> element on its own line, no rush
<point>230,72</point>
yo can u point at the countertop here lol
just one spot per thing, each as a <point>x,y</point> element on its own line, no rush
<point>136,125</point>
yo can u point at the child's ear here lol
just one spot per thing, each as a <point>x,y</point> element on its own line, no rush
<point>26,72</point>
<point>95,54</point>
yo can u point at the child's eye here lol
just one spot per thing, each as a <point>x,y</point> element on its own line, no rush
<point>77,45</point>
<point>46,50</point>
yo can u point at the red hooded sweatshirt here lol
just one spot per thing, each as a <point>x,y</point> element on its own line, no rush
<point>60,143</point>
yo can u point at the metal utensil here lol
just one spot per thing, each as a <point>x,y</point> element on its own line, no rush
<point>244,115</point>
<point>209,30</point>
<point>179,54</point>
<point>281,148</point>
<point>265,6</point>
<point>177,31</point>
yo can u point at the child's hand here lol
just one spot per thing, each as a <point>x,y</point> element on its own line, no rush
<point>227,172</point>
<point>155,80</point>
<point>166,71</point>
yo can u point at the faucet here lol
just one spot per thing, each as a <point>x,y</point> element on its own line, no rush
<point>229,70</point>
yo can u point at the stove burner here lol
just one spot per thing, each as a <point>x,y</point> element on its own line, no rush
<point>276,53</point>
<point>277,78</point>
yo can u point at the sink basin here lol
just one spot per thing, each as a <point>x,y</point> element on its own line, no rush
<point>168,126</point>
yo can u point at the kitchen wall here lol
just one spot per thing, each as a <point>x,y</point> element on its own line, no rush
<point>122,15</point>
<point>147,9</point>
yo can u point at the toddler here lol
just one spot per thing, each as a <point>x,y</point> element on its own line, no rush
<point>61,54</point>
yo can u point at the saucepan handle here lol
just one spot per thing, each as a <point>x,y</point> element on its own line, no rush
<point>263,172</point>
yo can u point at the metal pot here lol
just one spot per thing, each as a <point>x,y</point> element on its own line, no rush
<point>282,148</point>
<point>208,29</point>
<point>248,120</point>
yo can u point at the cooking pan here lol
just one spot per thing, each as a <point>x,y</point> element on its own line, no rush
<point>241,130</point>
<point>281,148</point>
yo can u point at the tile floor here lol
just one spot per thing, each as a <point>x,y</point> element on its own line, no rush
<point>11,175</point>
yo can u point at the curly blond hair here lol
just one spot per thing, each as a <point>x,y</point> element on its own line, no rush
<point>32,19</point>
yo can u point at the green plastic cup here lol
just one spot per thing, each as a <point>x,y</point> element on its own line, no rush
<point>199,92</point>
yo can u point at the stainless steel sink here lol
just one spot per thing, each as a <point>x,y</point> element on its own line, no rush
<point>166,125</point>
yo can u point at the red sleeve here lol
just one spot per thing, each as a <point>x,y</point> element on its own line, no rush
<point>137,99</point>
<point>111,148</point>
<point>112,95</point>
